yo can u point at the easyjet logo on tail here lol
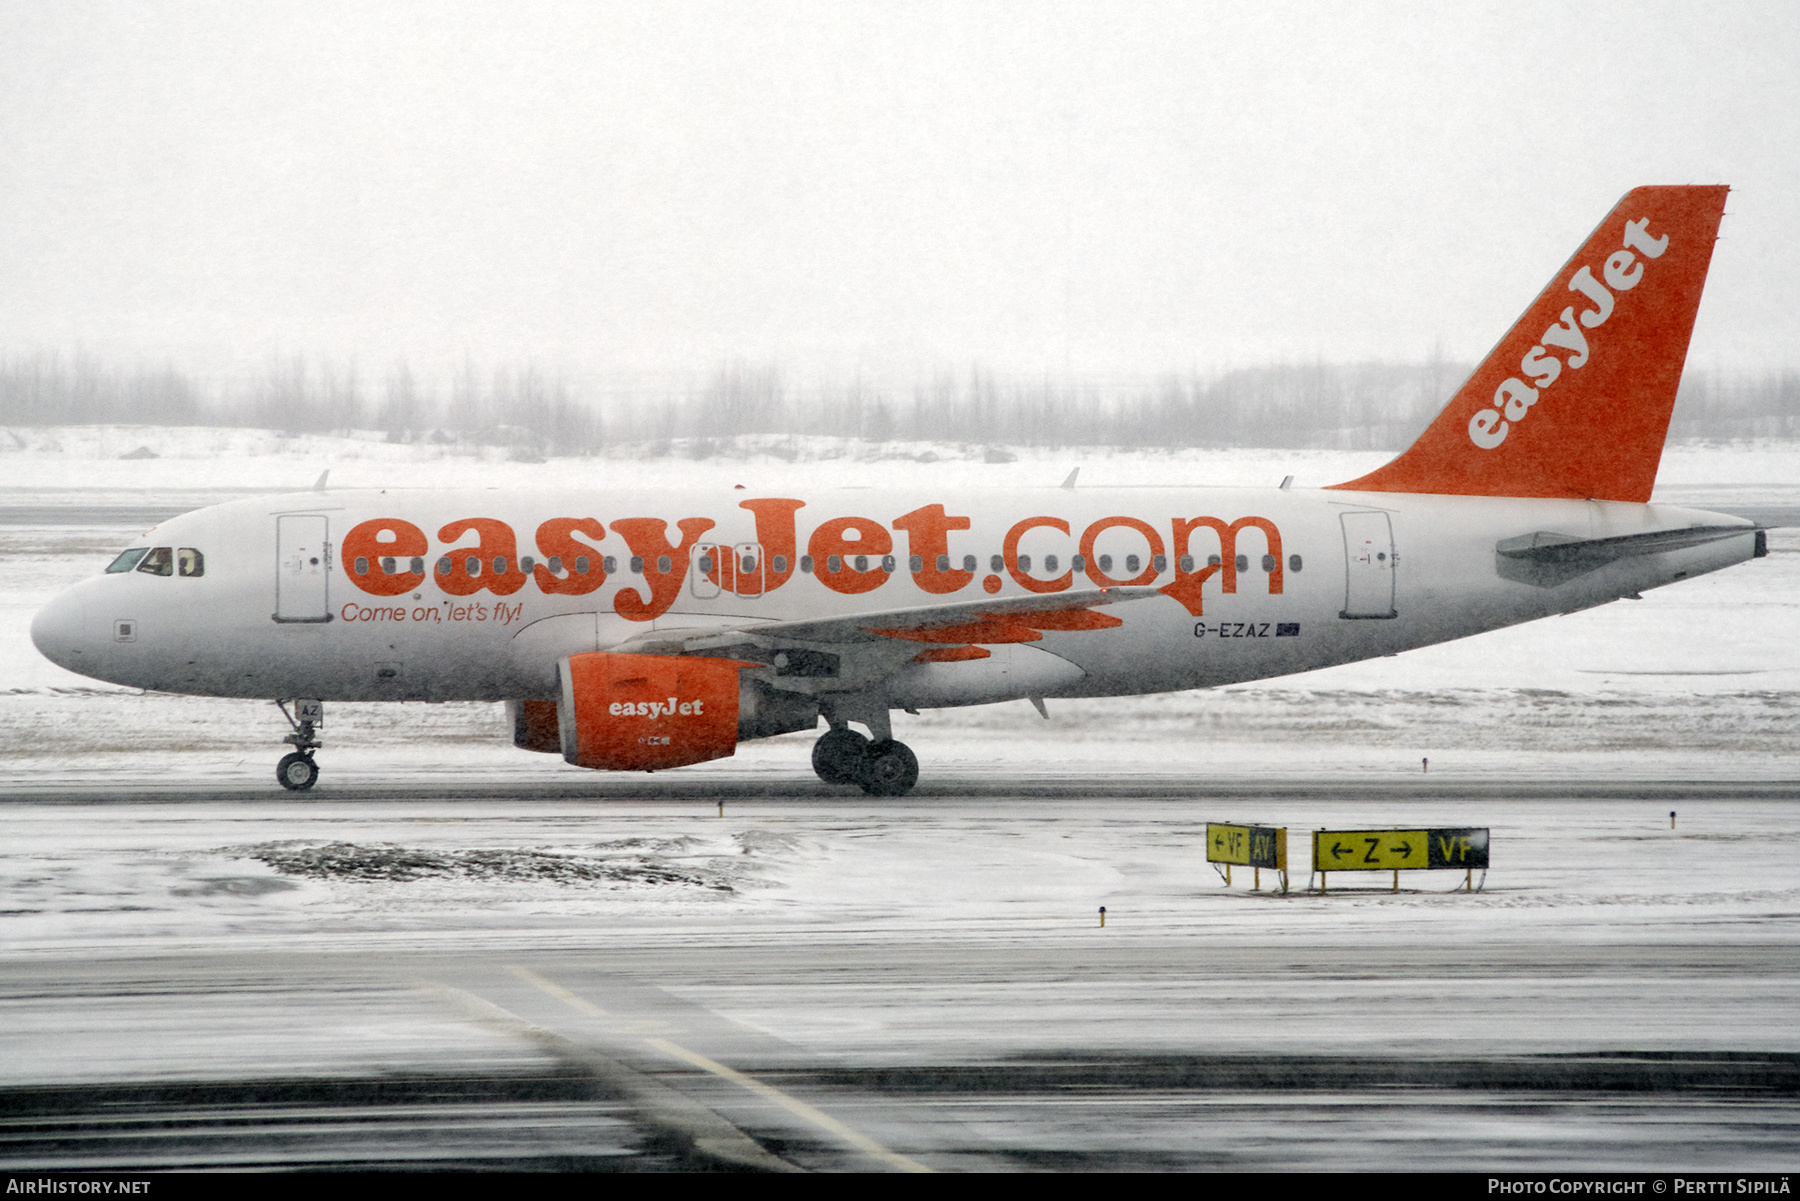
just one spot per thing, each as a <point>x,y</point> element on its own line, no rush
<point>1514,397</point>
<point>1603,343</point>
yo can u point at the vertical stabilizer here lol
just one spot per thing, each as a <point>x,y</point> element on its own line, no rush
<point>1575,399</point>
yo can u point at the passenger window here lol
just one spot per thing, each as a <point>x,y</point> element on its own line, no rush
<point>555,565</point>
<point>997,564</point>
<point>887,563</point>
<point>663,565</point>
<point>1024,562</point>
<point>1185,564</point>
<point>189,561</point>
<point>637,565</point>
<point>126,560</point>
<point>1268,562</point>
<point>943,562</point>
<point>834,563</point>
<point>706,564</point>
<point>1049,562</point>
<point>1160,562</point>
<point>387,566</point>
<point>526,564</point>
<point>779,563</point>
<point>862,562</point>
<point>806,564</point>
<point>608,564</point>
<point>160,561</point>
<point>1078,563</point>
<point>968,562</point>
<point>443,565</point>
<point>1243,562</point>
<point>917,563</point>
<point>1293,562</point>
<point>1106,563</point>
<point>1132,564</point>
<point>581,564</point>
<point>418,565</point>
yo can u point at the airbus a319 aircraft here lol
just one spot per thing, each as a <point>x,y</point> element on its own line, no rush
<point>635,631</point>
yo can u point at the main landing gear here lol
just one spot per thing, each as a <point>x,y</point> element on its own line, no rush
<point>297,772</point>
<point>882,767</point>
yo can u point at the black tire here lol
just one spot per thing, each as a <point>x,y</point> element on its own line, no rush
<point>838,757</point>
<point>297,772</point>
<point>890,769</point>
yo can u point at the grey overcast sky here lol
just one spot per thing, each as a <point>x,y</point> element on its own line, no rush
<point>656,187</point>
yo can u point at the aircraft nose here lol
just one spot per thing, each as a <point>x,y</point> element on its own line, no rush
<point>58,632</point>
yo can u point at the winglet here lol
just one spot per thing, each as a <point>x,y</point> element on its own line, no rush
<point>1070,482</point>
<point>319,484</point>
<point>1575,400</point>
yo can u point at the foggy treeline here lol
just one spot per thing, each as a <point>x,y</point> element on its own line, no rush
<point>1347,406</point>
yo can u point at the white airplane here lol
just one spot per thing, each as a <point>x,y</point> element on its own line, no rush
<point>635,631</point>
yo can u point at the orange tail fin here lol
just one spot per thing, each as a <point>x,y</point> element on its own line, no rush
<point>1575,399</point>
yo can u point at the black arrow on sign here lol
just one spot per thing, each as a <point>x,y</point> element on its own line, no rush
<point>1338,851</point>
<point>1405,848</point>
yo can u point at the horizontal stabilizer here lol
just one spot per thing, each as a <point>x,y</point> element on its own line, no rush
<point>1546,559</point>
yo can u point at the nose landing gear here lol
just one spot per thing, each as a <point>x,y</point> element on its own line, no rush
<point>297,772</point>
<point>883,767</point>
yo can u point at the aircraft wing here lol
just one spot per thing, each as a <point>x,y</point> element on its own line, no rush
<point>891,637</point>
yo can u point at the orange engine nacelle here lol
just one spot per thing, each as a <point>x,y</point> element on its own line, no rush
<point>646,712</point>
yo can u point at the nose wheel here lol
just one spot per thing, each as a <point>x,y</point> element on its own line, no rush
<point>881,768</point>
<point>297,772</point>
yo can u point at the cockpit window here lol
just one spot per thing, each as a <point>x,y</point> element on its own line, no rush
<point>190,561</point>
<point>160,561</point>
<point>127,560</point>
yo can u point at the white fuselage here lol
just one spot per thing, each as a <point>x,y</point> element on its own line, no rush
<point>284,608</point>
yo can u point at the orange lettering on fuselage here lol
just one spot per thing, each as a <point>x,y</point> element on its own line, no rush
<point>364,549</point>
<point>556,539</point>
<point>1186,586</point>
<point>1132,523</point>
<point>775,534</point>
<point>927,532</point>
<point>1009,550</point>
<point>834,551</point>
<point>648,542</point>
<point>492,565</point>
<point>496,559</point>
